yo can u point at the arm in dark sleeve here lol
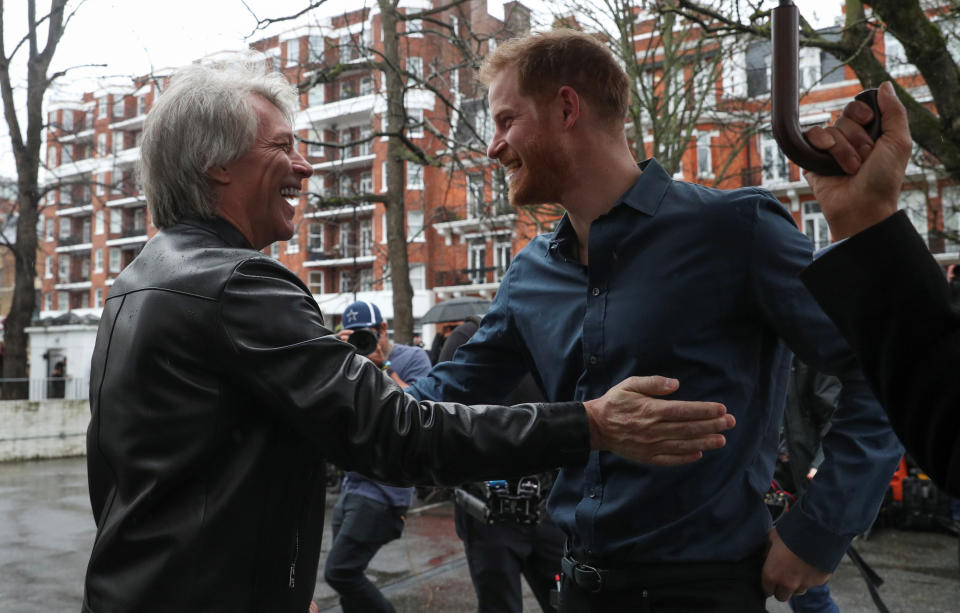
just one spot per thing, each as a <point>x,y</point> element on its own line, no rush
<point>860,450</point>
<point>290,363</point>
<point>889,298</point>
<point>488,366</point>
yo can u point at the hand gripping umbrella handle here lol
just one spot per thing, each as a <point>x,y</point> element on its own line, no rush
<point>786,99</point>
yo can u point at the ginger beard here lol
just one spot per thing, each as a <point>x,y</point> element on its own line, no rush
<point>539,178</point>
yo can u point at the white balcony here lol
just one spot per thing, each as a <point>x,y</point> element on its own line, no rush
<point>338,261</point>
<point>129,201</point>
<point>346,111</point>
<point>342,212</point>
<point>82,136</point>
<point>74,211</point>
<point>76,285</point>
<point>134,123</point>
<point>357,161</point>
<point>473,226</point>
<point>127,241</point>
<point>82,247</point>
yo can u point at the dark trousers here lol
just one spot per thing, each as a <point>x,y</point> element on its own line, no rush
<point>361,526</point>
<point>678,587</point>
<point>498,555</point>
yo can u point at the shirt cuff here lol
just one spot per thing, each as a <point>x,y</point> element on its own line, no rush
<point>810,541</point>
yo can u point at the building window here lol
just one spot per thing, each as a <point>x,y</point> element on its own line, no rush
<point>315,281</point>
<point>366,280</point>
<point>50,230</point>
<point>316,48</point>
<point>315,97</point>
<point>102,144</point>
<point>116,221</point>
<point>114,260</point>
<point>98,260</point>
<point>366,183</point>
<point>346,186</point>
<point>366,237</point>
<point>102,107</point>
<point>415,123</point>
<point>141,105</point>
<point>415,70</point>
<point>293,52</point>
<point>704,156</point>
<point>815,225</point>
<point>414,176</point>
<point>65,228</point>
<point>383,176</point>
<point>914,202</point>
<point>99,185</point>
<point>67,123</point>
<point>275,251</point>
<point>775,168</point>
<point>415,231</point>
<point>63,268</point>
<point>950,202</point>
<point>809,67</point>
<point>383,228</point>
<point>346,239</point>
<point>118,110</point>
<point>314,144</point>
<point>293,244</point>
<point>346,281</point>
<point>315,237</point>
<point>63,301</point>
<point>758,68</point>
<point>502,253</point>
<point>347,49</point>
<point>140,220</point>
<point>366,145</point>
<point>117,142</point>
<point>415,28</point>
<point>48,301</point>
<point>895,57</point>
<point>477,256</point>
<point>97,298</point>
<point>48,267</point>
<point>366,86</point>
<point>418,276</point>
<point>475,184</point>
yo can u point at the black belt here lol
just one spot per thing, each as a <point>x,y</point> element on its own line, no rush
<point>593,579</point>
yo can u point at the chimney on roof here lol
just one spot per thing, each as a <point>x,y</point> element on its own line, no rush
<point>516,18</point>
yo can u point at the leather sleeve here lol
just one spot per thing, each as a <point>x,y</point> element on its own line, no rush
<point>290,364</point>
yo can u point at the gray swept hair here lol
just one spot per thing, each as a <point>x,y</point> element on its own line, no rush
<point>203,119</point>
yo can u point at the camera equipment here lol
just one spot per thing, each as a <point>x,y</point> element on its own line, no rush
<point>516,501</point>
<point>365,340</point>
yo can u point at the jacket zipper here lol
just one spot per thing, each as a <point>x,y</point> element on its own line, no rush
<point>292,583</point>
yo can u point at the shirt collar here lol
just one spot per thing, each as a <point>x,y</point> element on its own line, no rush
<point>645,196</point>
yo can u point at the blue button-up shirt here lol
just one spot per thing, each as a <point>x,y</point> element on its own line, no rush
<point>700,285</point>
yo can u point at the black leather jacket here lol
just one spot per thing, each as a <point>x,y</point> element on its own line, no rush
<point>217,394</point>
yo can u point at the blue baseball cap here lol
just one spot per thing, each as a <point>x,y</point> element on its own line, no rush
<point>361,314</point>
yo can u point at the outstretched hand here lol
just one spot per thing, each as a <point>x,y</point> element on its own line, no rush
<point>868,194</point>
<point>631,422</point>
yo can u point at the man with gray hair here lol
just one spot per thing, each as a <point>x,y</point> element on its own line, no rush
<point>217,393</point>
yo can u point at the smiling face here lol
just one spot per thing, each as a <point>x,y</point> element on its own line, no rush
<point>525,143</point>
<point>264,184</point>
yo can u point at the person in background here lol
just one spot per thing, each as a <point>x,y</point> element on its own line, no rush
<point>368,514</point>
<point>498,554</point>
<point>884,290</point>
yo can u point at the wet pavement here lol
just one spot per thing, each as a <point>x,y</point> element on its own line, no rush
<point>46,531</point>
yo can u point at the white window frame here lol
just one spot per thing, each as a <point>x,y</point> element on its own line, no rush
<point>414,176</point>
<point>414,123</point>
<point>475,192</point>
<point>415,228</point>
<point>502,256</point>
<point>776,170</point>
<point>415,70</point>
<point>914,202</point>
<point>814,224</point>
<point>418,276</point>
<point>118,107</point>
<point>315,238</point>
<point>115,260</point>
<point>98,298</point>
<point>315,281</point>
<point>366,237</point>
<point>292,48</point>
<point>704,155</point>
<point>48,267</point>
<point>414,28</point>
<point>477,260</point>
<point>98,260</point>
<point>116,221</point>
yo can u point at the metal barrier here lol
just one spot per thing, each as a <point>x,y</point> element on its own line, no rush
<point>71,388</point>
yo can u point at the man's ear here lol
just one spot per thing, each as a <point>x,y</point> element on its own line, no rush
<point>569,105</point>
<point>219,174</point>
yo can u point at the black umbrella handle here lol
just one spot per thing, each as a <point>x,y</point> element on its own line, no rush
<point>785,98</point>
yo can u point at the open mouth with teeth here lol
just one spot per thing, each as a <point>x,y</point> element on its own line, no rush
<point>291,194</point>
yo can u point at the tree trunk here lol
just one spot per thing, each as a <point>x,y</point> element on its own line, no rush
<point>396,232</point>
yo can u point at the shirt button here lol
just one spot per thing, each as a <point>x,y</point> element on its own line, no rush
<point>593,360</point>
<point>595,291</point>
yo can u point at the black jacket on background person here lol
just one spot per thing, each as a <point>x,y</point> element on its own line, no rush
<point>217,394</point>
<point>890,300</point>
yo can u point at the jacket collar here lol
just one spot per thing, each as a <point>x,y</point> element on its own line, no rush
<point>222,228</point>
